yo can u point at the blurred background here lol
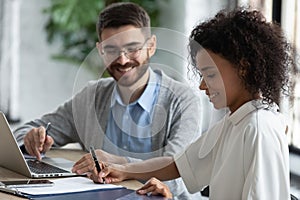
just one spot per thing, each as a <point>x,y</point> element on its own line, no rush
<point>44,43</point>
<point>44,46</point>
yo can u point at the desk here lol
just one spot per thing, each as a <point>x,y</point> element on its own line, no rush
<point>70,154</point>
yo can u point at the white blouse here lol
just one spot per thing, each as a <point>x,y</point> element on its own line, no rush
<point>244,156</point>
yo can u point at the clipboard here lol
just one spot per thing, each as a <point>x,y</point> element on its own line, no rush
<point>115,194</point>
<point>78,188</point>
<point>110,194</point>
<point>93,194</point>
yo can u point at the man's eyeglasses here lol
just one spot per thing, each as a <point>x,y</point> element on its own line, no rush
<point>131,52</point>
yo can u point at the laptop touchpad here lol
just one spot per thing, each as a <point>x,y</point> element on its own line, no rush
<point>59,162</point>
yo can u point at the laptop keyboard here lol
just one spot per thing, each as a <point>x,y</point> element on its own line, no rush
<point>43,168</point>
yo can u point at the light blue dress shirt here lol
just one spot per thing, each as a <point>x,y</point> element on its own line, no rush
<point>129,125</point>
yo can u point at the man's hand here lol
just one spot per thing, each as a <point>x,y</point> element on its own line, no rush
<point>36,142</point>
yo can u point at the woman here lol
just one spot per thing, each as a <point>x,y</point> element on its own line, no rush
<point>244,64</point>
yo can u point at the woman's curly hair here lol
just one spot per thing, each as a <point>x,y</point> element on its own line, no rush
<point>257,48</point>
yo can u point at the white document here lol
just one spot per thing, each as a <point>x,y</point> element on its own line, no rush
<point>67,185</point>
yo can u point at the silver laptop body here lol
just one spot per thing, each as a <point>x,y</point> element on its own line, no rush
<point>12,158</point>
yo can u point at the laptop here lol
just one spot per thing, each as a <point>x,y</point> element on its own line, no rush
<point>13,159</point>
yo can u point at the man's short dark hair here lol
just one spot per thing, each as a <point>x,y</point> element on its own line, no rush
<point>121,14</point>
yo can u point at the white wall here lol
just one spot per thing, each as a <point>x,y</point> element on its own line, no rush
<point>44,82</point>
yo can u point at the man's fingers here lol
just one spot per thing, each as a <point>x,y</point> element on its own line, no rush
<point>27,144</point>
<point>29,147</point>
<point>34,142</point>
<point>30,144</point>
<point>39,138</point>
<point>47,145</point>
<point>84,165</point>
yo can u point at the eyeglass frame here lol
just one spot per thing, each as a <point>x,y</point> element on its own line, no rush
<point>136,52</point>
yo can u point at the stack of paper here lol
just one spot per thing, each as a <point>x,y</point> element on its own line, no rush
<point>64,186</point>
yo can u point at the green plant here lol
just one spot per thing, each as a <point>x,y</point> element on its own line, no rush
<point>74,23</point>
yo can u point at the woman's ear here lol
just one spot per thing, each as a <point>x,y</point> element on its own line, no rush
<point>152,45</point>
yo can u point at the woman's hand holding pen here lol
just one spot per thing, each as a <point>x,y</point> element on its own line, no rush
<point>112,173</point>
<point>86,163</point>
<point>116,173</point>
<point>36,141</point>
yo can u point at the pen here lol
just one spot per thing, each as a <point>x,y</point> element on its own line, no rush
<point>48,127</point>
<point>92,151</point>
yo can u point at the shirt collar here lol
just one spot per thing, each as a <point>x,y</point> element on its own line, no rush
<point>144,101</point>
<point>249,107</point>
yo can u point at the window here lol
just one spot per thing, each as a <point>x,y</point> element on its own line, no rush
<point>290,18</point>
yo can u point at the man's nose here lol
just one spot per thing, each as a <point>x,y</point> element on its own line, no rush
<point>122,59</point>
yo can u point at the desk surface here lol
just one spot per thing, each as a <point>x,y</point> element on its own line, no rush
<point>70,154</point>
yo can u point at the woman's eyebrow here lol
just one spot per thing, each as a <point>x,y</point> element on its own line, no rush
<point>207,68</point>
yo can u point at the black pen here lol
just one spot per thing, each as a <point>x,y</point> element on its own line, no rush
<point>92,151</point>
<point>48,127</point>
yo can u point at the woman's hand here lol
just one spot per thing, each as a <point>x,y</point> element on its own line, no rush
<point>86,163</point>
<point>110,173</point>
<point>155,187</point>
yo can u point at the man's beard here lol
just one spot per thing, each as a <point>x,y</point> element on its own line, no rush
<point>141,70</point>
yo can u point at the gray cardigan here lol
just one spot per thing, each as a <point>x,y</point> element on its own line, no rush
<point>83,119</point>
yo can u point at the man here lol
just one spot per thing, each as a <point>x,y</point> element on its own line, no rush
<point>137,114</point>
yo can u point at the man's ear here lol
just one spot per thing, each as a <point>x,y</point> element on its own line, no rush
<point>99,48</point>
<point>152,45</point>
